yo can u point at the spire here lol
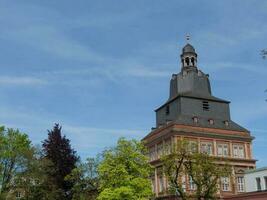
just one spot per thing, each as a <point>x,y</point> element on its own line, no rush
<point>188,56</point>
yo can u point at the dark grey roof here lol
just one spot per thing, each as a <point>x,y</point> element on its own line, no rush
<point>194,96</point>
<point>188,48</point>
<point>203,122</point>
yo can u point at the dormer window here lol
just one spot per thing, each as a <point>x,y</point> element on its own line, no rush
<point>211,121</point>
<point>205,105</point>
<point>167,110</point>
<point>195,119</point>
<point>226,123</point>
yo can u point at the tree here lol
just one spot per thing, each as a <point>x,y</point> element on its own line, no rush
<point>33,182</point>
<point>85,179</point>
<point>173,166</point>
<point>185,160</point>
<point>206,174</point>
<point>124,172</point>
<point>15,150</point>
<point>58,150</point>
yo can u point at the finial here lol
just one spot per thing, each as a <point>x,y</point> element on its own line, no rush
<point>187,37</point>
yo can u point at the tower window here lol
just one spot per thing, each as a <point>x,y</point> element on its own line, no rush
<point>205,105</point>
<point>193,61</point>
<point>187,61</point>
<point>167,110</point>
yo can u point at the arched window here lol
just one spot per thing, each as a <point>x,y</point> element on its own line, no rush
<point>187,61</point>
<point>193,61</point>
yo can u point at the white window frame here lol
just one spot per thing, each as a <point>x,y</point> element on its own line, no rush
<point>238,151</point>
<point>192,145</point>
<point>240,184</point>
<point>223,150</point>
<point>225,184</point>
<point>206,147</point>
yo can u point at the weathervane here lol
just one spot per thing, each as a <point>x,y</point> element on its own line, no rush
<point>187,37</point>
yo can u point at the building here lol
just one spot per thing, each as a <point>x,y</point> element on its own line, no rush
<point>255,185</point>
<point>256,180</point>
<point>192,112</point>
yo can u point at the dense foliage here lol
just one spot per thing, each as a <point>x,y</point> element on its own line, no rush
<point>15,150</point>
<point>124,172</point>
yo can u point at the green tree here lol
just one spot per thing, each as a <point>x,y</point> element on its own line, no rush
<point>206,174</point>
<point>174,167</point>
<point>124,172</point>
<point>15,150</point>
<point>85,179</point>
<point>33,182</point>
<point>185,160</point>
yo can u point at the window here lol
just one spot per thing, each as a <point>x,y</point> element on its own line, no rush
<point>240,184</point>
<point>153,185</point>
<point>265,180</point>
<point>238,151</point>
<point>192,185</point>
<point>192,146</point>
<point>258,182</point>
<point>167,147</point>
<point>193,61</point>
<point>159,150</point>
<point>187,61</point>
<point>222,150</point>
<point>205,105</point>
<point>167,109</point>
<point>206,147</point>
<point>226,123</point>
<point>225,184</point>
<point>161,184</point>
<point>211,121</point>
<point>18,195</point>
<point>195,119</point>
<point>152,153</point>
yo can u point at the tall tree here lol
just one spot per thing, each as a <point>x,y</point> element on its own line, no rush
<point>124,172</point>
<point>58,150</point>
<point>15,149</point>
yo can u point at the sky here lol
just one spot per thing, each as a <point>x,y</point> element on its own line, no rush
<point>100,68</point>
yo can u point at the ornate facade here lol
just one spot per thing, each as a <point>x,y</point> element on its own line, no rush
<point>193,113</point>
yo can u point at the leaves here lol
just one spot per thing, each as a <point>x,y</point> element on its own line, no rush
<point>124,172</point>
<point>201,167</point>
<point>58,150</point>
<point>15,149</point>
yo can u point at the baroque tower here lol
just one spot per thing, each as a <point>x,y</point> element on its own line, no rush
<point>193,113</point>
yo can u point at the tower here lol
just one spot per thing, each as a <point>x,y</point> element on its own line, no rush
<point>192,112</point>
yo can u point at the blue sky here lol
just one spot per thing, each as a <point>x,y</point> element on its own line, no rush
<point>100,68</point>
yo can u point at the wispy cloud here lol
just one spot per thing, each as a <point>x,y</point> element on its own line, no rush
<point>21,81</point>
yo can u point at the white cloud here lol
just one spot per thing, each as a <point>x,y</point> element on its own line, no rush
<point>21,81</point>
